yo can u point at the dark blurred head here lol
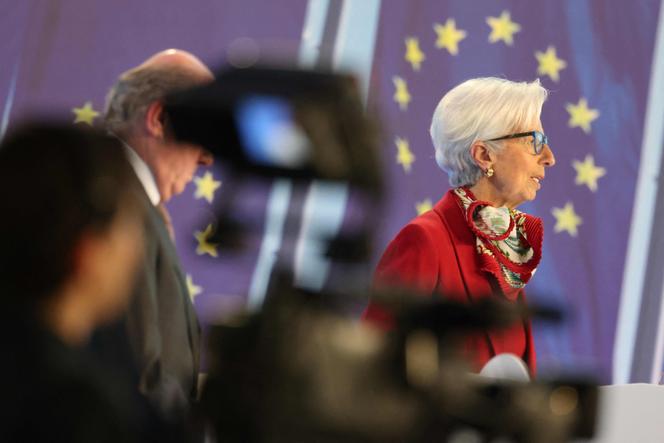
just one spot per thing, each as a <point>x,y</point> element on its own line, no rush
<point>70,219</point>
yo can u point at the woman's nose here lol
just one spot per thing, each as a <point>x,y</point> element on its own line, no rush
<point>547,156</point>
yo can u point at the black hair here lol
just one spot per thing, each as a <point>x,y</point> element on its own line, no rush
<point>57,181</point>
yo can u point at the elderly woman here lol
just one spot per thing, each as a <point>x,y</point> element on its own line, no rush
<point>474,243</point>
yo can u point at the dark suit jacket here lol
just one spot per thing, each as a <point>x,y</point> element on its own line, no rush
<point>157,343</point>
<point>162,326</point>
<point>54,393</point>
<point>436,253</point>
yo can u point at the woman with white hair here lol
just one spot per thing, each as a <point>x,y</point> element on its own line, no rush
<point>474,243</point>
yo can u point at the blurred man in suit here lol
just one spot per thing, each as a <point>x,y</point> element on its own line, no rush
<point>71,242</point>
<point>161,325</point>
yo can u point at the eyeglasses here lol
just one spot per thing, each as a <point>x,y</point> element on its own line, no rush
<point>539,139</point>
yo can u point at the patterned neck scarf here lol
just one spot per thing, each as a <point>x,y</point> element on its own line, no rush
<point>509,242</point>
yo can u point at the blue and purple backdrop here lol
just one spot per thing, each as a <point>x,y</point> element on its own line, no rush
<point>595,56</point>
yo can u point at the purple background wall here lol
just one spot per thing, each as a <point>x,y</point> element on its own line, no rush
<point>67,53</point>
<point>63,54</point>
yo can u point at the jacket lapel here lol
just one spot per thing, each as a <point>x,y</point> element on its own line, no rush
<point>475,280</point>
<point>168,247</point>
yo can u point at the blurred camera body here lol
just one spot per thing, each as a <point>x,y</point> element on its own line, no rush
<point>300,370</point>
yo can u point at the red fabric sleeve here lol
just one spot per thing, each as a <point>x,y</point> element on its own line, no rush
<point>410,262</point>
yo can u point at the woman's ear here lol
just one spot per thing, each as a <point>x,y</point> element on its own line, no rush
<point>154,119</point>
<point>482,155</point>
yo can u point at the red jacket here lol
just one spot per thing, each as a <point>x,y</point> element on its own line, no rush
<point>436,253</point>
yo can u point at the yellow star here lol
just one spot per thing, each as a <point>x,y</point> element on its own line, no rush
<point>205,247</point>
<point>205,186</point>
<point>193,289</point>
<point>566,219</point>
<point>449,36</point>
<point>423,206</point>
<point>587,173</point>
<point>502,28</point>
<point>580,116</point>
<point>405,156</point>
<point>549,63</point>
<point>85,114</point>
<point>401,94</point>
<point>414,54</point>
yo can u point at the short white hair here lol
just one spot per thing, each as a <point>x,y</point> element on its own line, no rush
<point>481,109</point>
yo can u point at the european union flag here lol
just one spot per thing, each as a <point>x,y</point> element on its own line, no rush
<point>595,58</point>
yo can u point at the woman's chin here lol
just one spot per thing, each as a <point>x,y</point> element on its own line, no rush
<point>516,202</point>
<point>529,197</point>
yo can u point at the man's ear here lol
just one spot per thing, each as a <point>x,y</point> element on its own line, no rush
<point>482,155</point>
<point>154,119</point>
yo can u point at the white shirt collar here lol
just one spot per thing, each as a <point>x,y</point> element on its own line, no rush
<point>144,174</point>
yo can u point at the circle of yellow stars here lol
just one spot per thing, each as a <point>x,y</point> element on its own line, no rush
<point>503,29</point>
<point>449,37</point>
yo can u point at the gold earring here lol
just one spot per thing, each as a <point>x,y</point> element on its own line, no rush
<point>489,172</point>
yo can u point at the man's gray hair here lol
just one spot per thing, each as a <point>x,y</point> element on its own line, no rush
<point>129,98</point>
<point>481,109</point>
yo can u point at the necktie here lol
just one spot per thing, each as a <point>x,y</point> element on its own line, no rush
<point>167,220</point>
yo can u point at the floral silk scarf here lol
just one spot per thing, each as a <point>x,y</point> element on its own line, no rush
<point>509,242</point>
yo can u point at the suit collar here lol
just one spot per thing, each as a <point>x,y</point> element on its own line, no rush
<point>475,280</point>
<point>464,244</point>
<point>144,174</point>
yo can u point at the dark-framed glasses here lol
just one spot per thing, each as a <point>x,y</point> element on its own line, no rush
<point>539,139</point>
